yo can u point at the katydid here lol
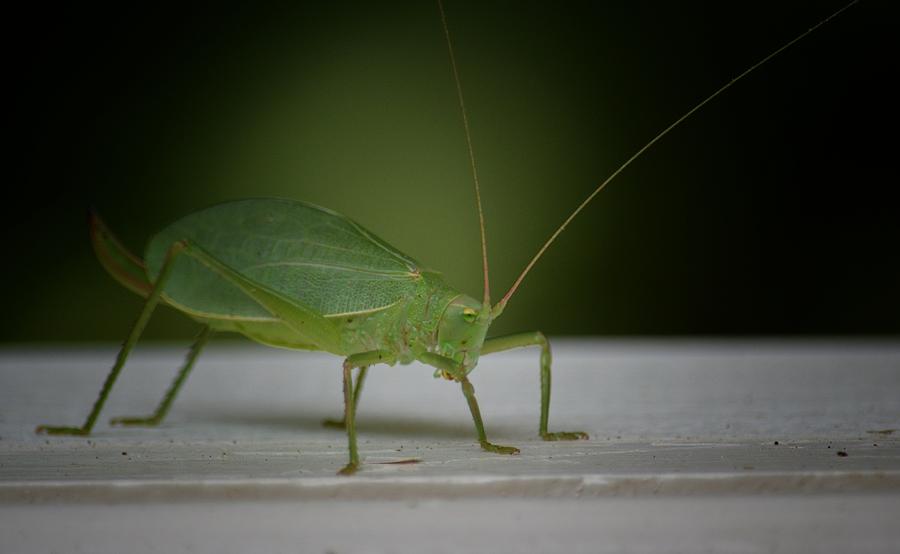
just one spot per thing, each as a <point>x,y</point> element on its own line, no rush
<point>294,275</point>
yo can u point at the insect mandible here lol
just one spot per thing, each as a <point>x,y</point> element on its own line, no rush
<point>290,274</point>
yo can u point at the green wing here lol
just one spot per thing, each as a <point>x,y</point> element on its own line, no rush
<point>309,254</point>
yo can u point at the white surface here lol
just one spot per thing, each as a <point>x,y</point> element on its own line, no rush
<point>788,524</point>
<point>682,455</point>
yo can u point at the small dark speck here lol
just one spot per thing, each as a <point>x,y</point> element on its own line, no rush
<point>842,453</point>
<point>874,444</point>
<point>124,453</point>
<point>401,462</point>
<point>776,443</point>
<point>829,446</point>
<point>349,320</point>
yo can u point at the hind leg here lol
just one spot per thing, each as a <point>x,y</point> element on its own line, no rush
<point>133,336</point>
<point>163,408</point>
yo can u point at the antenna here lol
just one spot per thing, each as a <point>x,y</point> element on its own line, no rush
<point>465,117</point>
<point>498,309</point>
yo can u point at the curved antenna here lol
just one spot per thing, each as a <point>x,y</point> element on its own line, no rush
<point>465,117</point>
<point>502,303</point>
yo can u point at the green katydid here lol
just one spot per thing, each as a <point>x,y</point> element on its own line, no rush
<point>290,274</point>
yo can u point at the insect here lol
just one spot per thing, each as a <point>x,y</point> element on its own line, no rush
<point>290,274</point>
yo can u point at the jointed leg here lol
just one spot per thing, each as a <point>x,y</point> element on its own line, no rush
<point>451,369</point>
<point>133,336</point>
<point>360,360</point>
<point>357,390</point>
<point>300,318</point>
<point>536,338</point>
<point>469,392</point>
<point>163,408</point>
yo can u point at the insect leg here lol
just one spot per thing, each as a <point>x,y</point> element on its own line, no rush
<point>357,389</point>
<point>469,392</point>
<point>535,338</point>
<point>361,360</point>
<point>458,374</point>
<point>169,397</point>
<point>133,336</point>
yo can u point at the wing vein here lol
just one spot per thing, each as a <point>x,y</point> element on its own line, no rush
<point>317,265</point>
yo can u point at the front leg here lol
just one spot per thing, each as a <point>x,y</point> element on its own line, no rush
<point>536,338</point>
<point>455,372</point>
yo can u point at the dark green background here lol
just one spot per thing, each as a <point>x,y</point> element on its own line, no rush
<point>770,212</point>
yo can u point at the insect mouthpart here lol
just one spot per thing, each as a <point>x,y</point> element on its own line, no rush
<point>467,360</point>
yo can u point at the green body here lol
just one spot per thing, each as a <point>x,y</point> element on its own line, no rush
<point>290,274</point>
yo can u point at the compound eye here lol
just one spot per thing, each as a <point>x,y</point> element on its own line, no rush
<point>469,315</point>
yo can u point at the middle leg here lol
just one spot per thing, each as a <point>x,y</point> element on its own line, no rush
<point>361,360</point>
<point>357,390</point>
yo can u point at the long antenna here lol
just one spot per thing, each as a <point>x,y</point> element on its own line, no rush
<point>502,304</point>
<point>465,117</point>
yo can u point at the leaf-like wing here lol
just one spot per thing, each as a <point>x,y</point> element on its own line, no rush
<point>309,254</point>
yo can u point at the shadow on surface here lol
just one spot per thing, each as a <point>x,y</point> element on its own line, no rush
<point>376,425</point>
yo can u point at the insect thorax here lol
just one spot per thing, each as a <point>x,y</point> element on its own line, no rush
<point>407,328</point>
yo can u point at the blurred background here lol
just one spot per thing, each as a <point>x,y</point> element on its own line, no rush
<point>770,212</point>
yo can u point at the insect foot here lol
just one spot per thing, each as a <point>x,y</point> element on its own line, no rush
<point>51,430</point>
<point>496,448</point>
<point>128,421</point>
<point>565,436</point>
<point>349,469</point>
